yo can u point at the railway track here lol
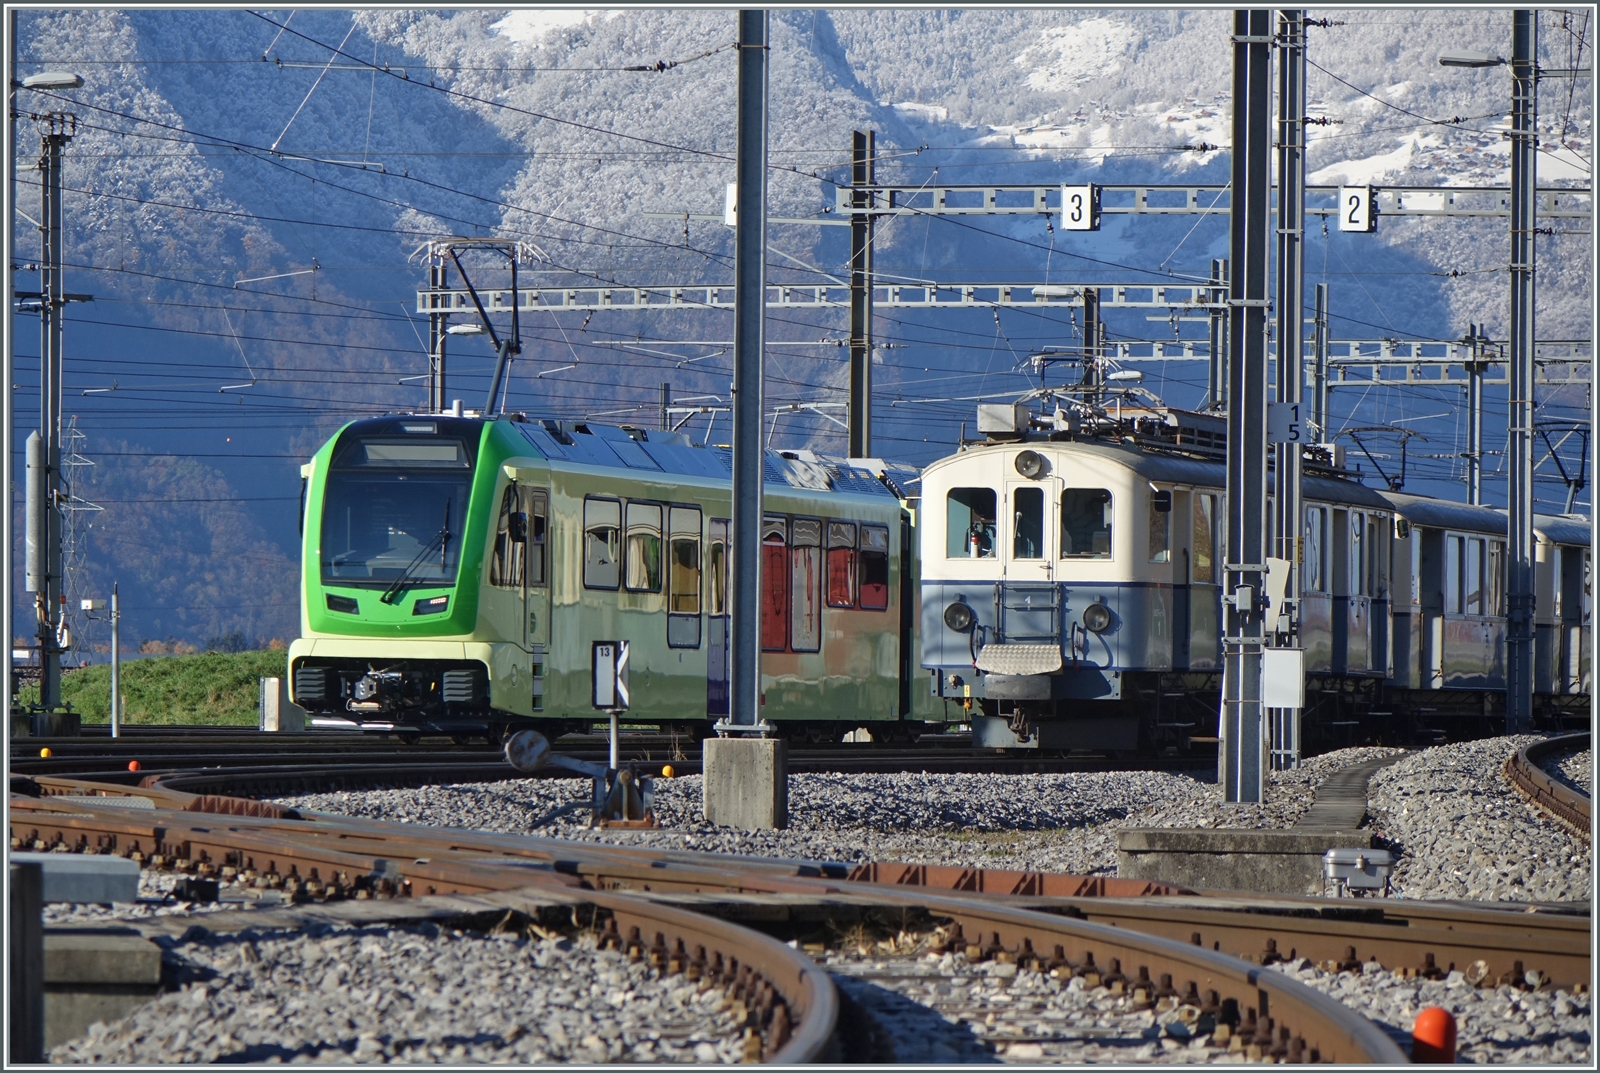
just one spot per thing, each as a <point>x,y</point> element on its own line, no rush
<point>1525,771</point>
<point>265,765</point>
<point>1144,948</point>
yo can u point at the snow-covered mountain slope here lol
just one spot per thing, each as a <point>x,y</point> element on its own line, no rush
<point>247,191</point>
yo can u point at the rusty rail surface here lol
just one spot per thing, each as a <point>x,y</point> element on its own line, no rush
<point>790,1005</point>
<point>1427,939</point>
<point>1569,806</point>
<point>322,858</point>
<point>1220,945</point>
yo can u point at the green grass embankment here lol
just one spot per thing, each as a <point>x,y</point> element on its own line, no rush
<point>219,688</point>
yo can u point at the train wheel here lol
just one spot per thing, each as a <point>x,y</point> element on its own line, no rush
<point>410,737</point>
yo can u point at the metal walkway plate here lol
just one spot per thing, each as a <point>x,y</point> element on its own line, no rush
<point>1019,659</point>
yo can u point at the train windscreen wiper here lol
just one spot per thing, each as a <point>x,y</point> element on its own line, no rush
<point>441,540</point>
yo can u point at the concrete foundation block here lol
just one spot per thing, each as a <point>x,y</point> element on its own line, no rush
<point>279,713</point>
<point>25,947</point>
<point>1274,862</point>
<point>746,783</point>
<point>95,974</point>
<point>85,877</point>
<point>55,724</point>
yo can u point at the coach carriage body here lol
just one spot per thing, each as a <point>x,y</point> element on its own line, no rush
<point>1072,599</point>
<point>557,535</point>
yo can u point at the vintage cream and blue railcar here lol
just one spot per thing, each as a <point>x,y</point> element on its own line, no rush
<point>1071,599</point>
<point>457,571</point>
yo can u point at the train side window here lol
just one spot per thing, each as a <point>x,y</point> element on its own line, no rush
<point>970,523</point>
<point>1205,554</point>
<point>1027,523</point>
<point>506,565</point>
<point>1358,554</point>
<point>1160,529</point>
<point>874,567</point>
<point>841,564</point>
<point>717,568</point>
<point>1316,579</point>
<point>535,506</point>
<point>1377,559</point>
<point>1453,554</point>
<point>683,577</point>
<point>1473,584</point>
<point>683,572</point>
<point>1494,580</point>
<point>805,585</point>
<point>1085,523</point>
<point>774,584</point>
<point>644,548</point>
<point>602,524</point>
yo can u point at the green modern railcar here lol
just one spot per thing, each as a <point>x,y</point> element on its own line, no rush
<point>457,570</point>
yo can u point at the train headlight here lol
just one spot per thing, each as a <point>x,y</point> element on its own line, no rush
<point>1097,618</point>
<point>959,617</point>
<point>1030,464</point>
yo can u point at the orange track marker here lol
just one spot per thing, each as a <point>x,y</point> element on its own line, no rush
<point>1433,1037</point>
<point>45,752</point>
<point>667,771</point>
<point>133,765</point>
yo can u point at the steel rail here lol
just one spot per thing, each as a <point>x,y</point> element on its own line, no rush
<point>248,772</point>
<point>1427,938</point>
<point>1527,775</point>
<point>792,1002</point>
<point>1310,1022</point>
<point>1423,939</point>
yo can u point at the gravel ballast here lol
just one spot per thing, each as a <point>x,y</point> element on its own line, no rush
<point>1499,1025</point>
<point>1463,832</point>
<point>1057,823</point>
<point>417,994</point>
<point>1574,769</point>
<point>159,896</point>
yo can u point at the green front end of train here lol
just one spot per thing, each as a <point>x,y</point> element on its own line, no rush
<point>456,572</point>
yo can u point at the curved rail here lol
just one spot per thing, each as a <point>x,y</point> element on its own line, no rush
<point>791,1006</point>
<point>1525,771</point>
<point>1006,915</point>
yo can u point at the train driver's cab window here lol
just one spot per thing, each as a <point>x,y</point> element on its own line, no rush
<point>841,564</point>
<point>1085,523</point>
<point>602,527</point>
<point>805,585</point>
<point>1205,549</point>
<point>1316,577</point>
<point>875,567</point>
<point>1027,523</point>
<point>519,539</point>
<point>970,523</point>
<point>1160,527</point>
<point>644,548</point>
